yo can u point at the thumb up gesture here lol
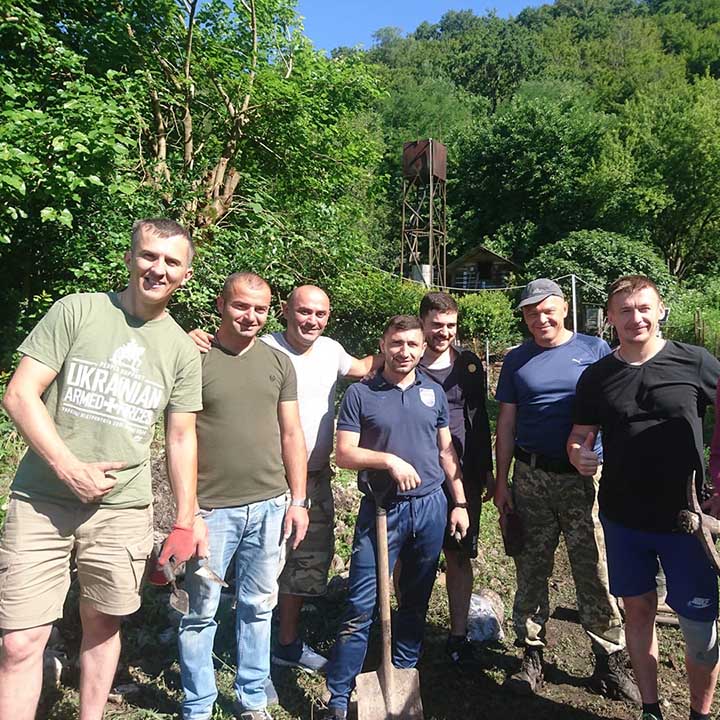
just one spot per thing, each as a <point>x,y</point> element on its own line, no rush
<point>584,457</point>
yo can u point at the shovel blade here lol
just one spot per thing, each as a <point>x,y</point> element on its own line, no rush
<point>180,601</point>
<point>205,572</point>
<point>389,698</point>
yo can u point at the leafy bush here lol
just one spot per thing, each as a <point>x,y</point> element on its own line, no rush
<point>599,257</point>
<point>488,315</point>
<point>362,304</point>
<point>695,314</point>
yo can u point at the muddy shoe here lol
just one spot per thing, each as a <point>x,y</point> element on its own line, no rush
<point>529,679</point>
<point>612,678</point>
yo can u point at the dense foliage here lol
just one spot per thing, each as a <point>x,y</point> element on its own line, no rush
<point>583,136</point>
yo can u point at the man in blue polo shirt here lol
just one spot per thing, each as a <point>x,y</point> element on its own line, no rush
<point>397,423</point>
<point>536,391</point>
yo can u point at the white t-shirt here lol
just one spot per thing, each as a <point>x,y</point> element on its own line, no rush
<point>317,373</point>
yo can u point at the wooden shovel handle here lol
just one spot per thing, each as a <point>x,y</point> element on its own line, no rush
<point>383,579</point>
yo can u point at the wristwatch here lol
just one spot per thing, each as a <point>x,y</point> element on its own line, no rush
<point>463,505</point>
<point>301,502</point>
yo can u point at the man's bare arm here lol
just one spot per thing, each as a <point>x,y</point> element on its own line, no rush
<point>189,534</point>
<point>459,520</point>
<point>349,454</point>
<point>504,449</point>
<point>23,403</point>
<point>294,455</point>
<point>580,450</point>
<point>361,367</point>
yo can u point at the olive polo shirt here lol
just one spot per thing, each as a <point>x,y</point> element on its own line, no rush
<point>402,422</point>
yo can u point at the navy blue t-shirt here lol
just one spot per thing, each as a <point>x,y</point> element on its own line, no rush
<point>401,422</point>
<point>541,382</point>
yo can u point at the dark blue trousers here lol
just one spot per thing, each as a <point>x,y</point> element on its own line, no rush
<point>415,535</point>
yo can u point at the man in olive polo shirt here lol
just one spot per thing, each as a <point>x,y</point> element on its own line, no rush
<point>251,448</point>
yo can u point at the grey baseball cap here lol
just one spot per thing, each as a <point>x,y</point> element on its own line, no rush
<point>537,290</point>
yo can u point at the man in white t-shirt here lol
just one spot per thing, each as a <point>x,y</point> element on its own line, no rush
<point>318,362</point>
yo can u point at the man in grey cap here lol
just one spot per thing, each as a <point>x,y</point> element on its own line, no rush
<point>536,391</point>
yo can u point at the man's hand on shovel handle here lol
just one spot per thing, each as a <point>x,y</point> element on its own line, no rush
<point>459,523</point>
<point>403,473</point>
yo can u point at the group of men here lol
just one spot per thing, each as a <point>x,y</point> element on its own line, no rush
<point>249,434</point>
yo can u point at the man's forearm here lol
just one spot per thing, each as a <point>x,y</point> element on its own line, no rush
<point>504,449</point>
<point>453,475</point>
<point>357,458</point>
<point>181,451</point>
<point>34,423</point>
<point>294,456</point>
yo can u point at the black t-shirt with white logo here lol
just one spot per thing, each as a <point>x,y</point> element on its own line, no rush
<point>651,418</point>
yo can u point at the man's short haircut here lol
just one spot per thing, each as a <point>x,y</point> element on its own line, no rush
<point>161,227</point>
<point>249,279</point>
<point>295,292</point>
<point>631,284</point>
<point>437,302</point>
<point>401,323</point>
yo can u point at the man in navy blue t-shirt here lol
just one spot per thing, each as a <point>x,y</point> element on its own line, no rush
<point>536,390</point>
<point>397,425</point>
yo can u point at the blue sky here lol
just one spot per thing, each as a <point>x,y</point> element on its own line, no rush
<point>330,23</point>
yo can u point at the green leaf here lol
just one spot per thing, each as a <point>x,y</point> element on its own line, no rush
<point>15,182</point>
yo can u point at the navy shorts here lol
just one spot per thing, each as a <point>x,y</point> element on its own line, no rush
<point>692,586</point>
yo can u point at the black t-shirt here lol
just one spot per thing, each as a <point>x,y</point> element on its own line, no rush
<point>651,418</point>
<point>465,387</point>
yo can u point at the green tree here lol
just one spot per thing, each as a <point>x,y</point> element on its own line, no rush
<point>659,173</point>
<point>519,177</point>
<point>599,258</point>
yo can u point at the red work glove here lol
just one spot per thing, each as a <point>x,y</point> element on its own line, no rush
<point>179,545</point>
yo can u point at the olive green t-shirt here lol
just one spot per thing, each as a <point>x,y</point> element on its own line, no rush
<point>116,374</point>
<point>239,451</point>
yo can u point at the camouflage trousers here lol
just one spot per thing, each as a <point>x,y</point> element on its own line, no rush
<point>551,503</point>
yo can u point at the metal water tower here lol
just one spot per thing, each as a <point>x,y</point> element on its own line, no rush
<point>424,210</point>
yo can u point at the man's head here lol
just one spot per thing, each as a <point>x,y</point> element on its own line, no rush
<point>438,313</point>
<point>402,344</point>
<point>244,306</point>
<point>544,310</point>
<point>635,308</point>
<point>159,260</point>
<point>307,311</point>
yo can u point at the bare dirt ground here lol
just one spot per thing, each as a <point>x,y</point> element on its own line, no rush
<point>149,663</point>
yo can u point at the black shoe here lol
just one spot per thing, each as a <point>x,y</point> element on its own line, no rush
<point>612,678</point>
<point>332,714</point>
<point>460,651</point>
<point>529,679</point>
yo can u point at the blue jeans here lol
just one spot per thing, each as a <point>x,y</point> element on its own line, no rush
<point>416,529</point>
<point>255,532</point>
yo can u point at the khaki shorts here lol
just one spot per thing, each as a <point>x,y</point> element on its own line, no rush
<point>112,546</point>
<point>306,568</point>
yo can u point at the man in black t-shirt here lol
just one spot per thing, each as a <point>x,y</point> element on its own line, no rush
<point>461,374</point>
<point>649,398</point>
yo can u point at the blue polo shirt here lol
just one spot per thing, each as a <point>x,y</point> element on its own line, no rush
<point>401,422</point>
<point>541,382</point>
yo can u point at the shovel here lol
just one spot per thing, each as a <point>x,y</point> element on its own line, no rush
<point>389,693</point>
<point>165,575</point>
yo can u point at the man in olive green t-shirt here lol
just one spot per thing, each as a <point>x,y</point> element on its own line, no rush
<point>96,373</point>
<point>251,449</point>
